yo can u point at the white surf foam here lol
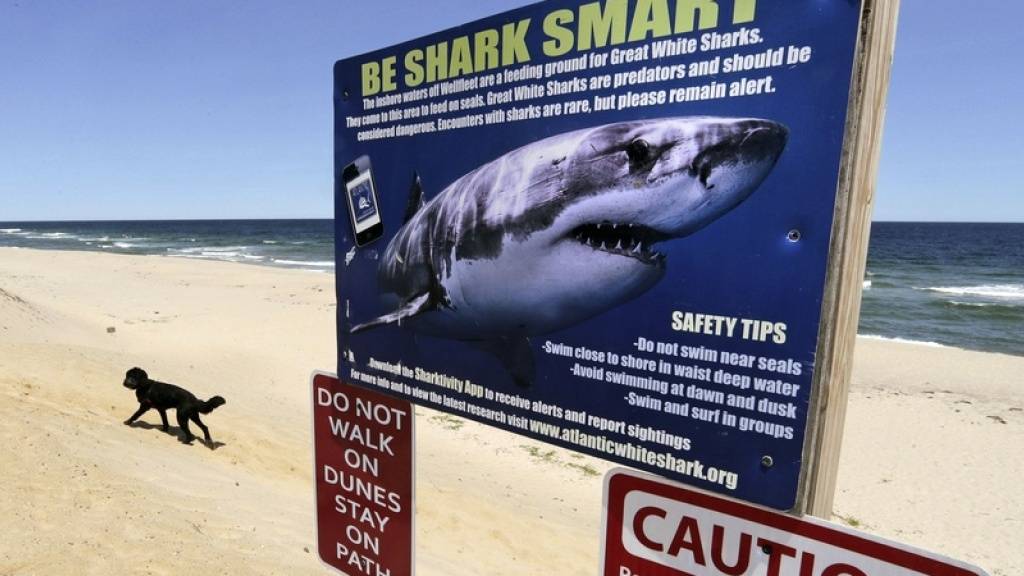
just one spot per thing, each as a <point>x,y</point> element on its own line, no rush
<point>221,255</point>
<point>209,250</point>
<point>224,249</point>
<point>1001,291</point>
<point>1005,305</point>
<point>196,256</point>
<point>902,340</point>
<point>316,264</point>
<point>47,236</point>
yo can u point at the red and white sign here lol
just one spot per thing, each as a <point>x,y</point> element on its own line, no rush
<point>363,465</point>
<point>656,528</point>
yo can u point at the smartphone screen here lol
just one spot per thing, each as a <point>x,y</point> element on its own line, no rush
<point>362,202</point>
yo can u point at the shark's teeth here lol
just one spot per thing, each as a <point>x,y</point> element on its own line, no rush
<point>625,239</point>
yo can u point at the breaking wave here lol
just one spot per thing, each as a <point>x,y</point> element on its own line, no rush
<point>999,291</point>
<point>902,341</point>
<point>317,264</point>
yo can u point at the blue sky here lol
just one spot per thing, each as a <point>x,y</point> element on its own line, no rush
<point>146,109</point>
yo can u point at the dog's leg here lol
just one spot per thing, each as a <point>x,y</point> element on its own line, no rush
<point>206,431</point>
<point>163,417</point>
<point>183,423</point>
<point>142,410</point>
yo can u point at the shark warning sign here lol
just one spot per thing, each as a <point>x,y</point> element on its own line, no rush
<point>603,225</point>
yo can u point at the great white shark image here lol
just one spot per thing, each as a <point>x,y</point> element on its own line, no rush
<point>564,228</point>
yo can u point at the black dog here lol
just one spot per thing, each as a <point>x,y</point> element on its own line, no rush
<point>163,396</point>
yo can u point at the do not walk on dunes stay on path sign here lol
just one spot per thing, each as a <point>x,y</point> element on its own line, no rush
<point>364,475</point>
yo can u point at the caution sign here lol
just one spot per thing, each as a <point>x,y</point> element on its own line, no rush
<point>363,465</point>
<point>652,527</point>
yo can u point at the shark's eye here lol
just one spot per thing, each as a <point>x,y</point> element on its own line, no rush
<point>639,152</point>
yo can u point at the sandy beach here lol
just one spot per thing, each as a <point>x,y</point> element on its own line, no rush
<point>933,452</point>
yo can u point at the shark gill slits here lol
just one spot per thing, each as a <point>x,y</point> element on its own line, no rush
<point>705,173</point>
<point>630,240</point>
<point>710,158</point>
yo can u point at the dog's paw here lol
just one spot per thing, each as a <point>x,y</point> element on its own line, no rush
<point>128,422</point>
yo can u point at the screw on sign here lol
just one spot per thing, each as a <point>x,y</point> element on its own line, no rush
<point>656,528</point>
<point>363,465</point>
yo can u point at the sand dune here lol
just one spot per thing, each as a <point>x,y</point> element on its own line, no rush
<point>933,453</point>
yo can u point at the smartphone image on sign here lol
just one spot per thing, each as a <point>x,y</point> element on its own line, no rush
<point>361,193</point>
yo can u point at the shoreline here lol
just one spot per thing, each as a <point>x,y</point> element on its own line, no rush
<point>898,340</point>
<point>332,271</point>
<point>87,494</point>
<point>294,265</point>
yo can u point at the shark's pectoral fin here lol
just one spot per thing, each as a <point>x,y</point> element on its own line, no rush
<point>412,307</point>
<point>516,356</point>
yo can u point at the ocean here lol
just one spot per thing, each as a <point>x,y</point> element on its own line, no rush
<point>946,284</point>
<point>951,284</point>
<point>305,244</point>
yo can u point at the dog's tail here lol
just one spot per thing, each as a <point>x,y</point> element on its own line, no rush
<point>211,404</point>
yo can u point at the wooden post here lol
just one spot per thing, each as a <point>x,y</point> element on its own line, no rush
<point>851,229</point>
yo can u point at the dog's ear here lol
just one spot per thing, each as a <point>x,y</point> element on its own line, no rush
<point>136,373</point>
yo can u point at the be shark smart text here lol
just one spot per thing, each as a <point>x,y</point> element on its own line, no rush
<point>589,26</point>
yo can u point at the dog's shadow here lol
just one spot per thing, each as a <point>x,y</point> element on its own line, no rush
<point>174,431</point>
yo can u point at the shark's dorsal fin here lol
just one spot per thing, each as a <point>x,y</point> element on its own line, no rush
<point>413,307</point>
<point>415,198</point>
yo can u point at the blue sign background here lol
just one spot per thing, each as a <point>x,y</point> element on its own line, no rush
<point>742,265</point>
